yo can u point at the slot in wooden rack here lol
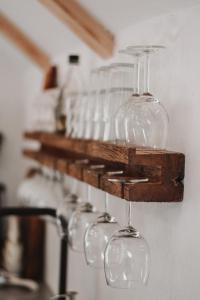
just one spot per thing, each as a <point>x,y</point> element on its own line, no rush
<point>98,163</point>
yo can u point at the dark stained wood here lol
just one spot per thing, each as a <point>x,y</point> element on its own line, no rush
<point>33,248</point>
<point>110,152</point>
<point>164,169</point>
<point>167,160</point>
<point>113,188</point>
<point>154,192</point>
<point>75,170</point>
<point>91,177</point>
<point>50,79</point>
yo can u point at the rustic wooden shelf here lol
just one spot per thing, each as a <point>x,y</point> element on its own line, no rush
<point>97,162</point>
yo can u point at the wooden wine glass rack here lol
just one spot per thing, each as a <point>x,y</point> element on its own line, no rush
<point>97,162</point>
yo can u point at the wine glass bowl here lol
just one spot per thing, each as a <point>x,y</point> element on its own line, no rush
<point>127,255</point>
<point>65,209</point>
<point>127,259</point>
<point>142,121</point>
<point>120,88</point>
<point>96,239</point>
<point>78,224</point>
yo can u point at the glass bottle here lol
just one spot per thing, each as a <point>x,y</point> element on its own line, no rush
<point>70,89</point>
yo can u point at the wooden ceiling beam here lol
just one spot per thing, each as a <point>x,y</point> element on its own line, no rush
<point>83,24</point>
<point>24,43</point>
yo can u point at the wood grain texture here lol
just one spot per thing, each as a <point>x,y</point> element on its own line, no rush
<point>75,170</point>
<point>110,152</point>
<point>113,188</point>
<point>83,24</point>
<point>94,149</point>
<point>24,43</point>
<point>164,169</point>
<point>91,177</point>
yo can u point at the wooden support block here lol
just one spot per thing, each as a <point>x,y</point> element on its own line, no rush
<point>91,177</point>
<point>171,163</point>
<point>154,192</point>
<point>75,170</point>
<point>113,188</point>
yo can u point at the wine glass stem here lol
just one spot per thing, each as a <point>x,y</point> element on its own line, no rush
<point>147,74</point>
<point>129,214</point>
<point>89,193</point>
<point>137,74</point>
<point>106,202</point>
<point>75,186</point>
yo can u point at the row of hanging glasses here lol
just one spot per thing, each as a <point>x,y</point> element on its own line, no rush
<point>122,252</point>
<point>119,106</point>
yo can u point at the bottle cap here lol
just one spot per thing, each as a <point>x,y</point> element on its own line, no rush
<point>73,59</point>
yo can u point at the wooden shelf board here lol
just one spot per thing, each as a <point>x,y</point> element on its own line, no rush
<point>164,169</point>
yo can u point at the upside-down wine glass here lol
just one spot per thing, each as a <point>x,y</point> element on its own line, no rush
<point>90,105</point>
<point>65,208</point>
<point>124,112</point>
<point>103,84</point>
<point>142,118</point>
<point>120,89</point>
<point>84,215</point>
<point>158,118</point>
<point>98,234</point>
<point>127,254</point>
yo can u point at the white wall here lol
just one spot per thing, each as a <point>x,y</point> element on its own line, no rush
<point>172,230</point>
<point>13,99</point>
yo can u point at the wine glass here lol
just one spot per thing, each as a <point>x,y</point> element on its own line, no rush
<point>103,84</point>
<point>127,254</point>
<point>142,120</point>
<point>124,110</point>
<point>84,215</point>
<point>80,115</point>
<point>65,208</point>
<point>97,236</point>
<point>38,190</point>
<point>90,104</point>
<point>121,87</point>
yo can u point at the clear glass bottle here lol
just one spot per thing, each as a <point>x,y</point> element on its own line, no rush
<point>69,95</point>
